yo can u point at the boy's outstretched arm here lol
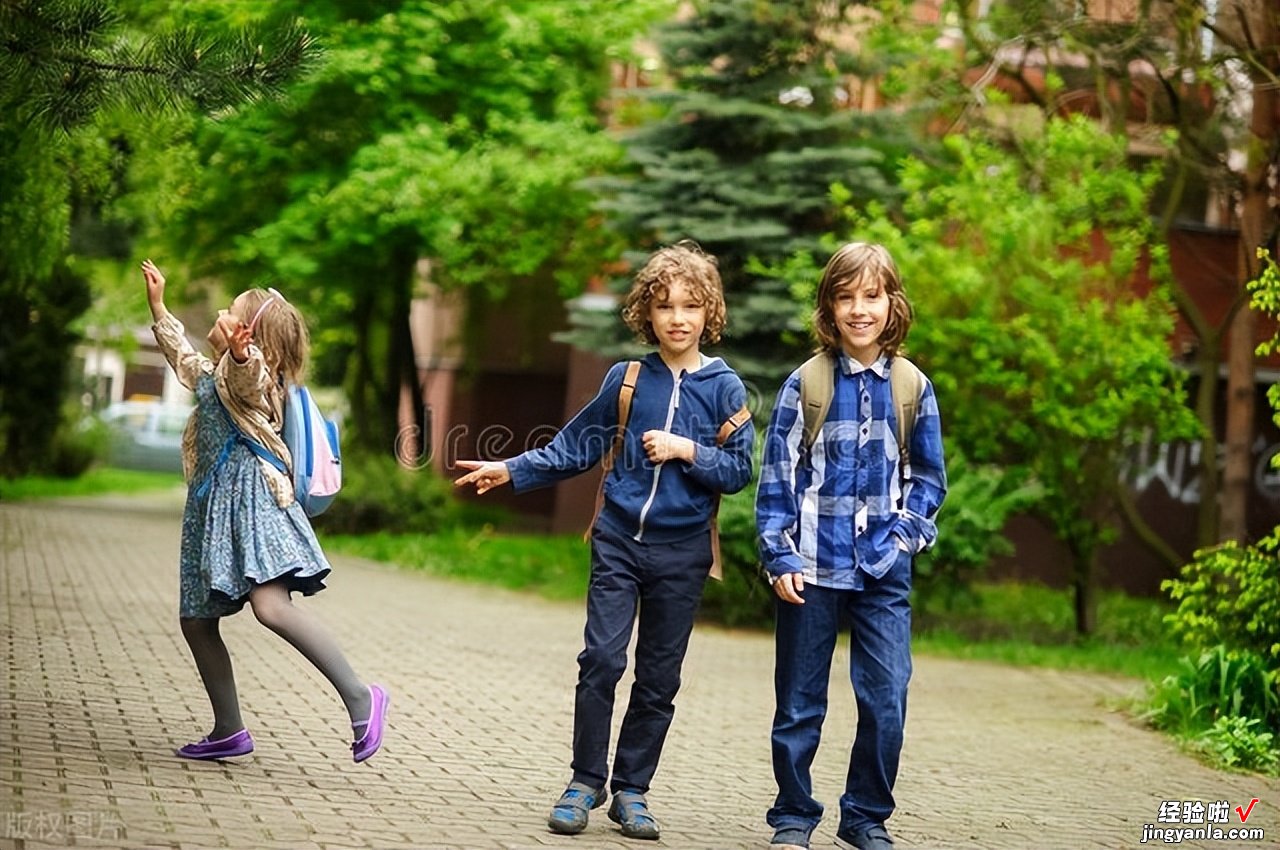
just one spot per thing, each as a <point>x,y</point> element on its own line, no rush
<point>484,474</point>
<point>576,447</point>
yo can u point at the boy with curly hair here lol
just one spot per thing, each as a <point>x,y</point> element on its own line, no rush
<point>652,538</point>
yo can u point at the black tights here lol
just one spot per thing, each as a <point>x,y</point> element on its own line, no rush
<point>275,610</point>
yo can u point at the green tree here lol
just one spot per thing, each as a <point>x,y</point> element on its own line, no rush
<point>455,133</point>
<point>737,146</point>
<point>1187,65</point>
<point>61,65</point>
<point>1046,362</point>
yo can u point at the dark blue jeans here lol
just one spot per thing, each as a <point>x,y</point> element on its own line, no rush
<point>663,581</point>
<point>879,616</point>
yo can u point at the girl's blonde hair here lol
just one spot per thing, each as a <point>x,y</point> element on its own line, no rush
<point>686,263</point>
<point>855,264</point>
<point>280,333</point>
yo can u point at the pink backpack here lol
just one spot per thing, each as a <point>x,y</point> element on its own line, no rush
<point>317,457</point>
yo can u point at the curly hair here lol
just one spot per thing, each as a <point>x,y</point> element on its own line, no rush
<point>686,263</point>
<point>281,333</point>
<point>853,265</point>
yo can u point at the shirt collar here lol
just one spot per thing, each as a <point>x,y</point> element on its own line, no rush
<point>850,366</point>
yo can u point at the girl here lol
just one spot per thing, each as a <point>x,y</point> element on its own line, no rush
<point>244,537</point>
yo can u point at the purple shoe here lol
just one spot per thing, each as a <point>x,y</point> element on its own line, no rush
<point>239,744</point>
<point>371,740</point>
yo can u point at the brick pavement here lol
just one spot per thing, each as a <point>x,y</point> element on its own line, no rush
<point>99,688</point>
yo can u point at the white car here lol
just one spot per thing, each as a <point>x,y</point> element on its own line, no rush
<point>145,434</point>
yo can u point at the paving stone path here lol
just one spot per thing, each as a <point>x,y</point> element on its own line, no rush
<point>99,688</point>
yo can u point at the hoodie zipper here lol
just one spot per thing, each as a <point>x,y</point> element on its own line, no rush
<point>672,406</point>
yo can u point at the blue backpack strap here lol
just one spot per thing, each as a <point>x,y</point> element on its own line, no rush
<point>238,436</point>
<point>309,459</point>
<point>265,453</point>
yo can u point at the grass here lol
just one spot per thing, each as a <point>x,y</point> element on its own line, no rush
<point>1034,625</point>
<point>1028,625</point>
<point>96,482</point>
<point>554,567</point>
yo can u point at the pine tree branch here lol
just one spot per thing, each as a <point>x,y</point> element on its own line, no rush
<point>60,64</point>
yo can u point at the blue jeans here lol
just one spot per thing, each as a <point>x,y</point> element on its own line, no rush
<point>664,582</point>
<point>879,616</point>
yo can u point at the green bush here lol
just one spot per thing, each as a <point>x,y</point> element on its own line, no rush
<point>1230,595</point>
<point>1221,684</point>
<point>1225,705</point>
<point>980,500</point>
<point>77,444</point>
<point>1241,743</point>
<point>380,495</point>
<point>743,598</point>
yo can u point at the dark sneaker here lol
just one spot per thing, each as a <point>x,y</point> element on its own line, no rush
<point>569,814</point>
<point>630,811</point>
<point>874,837</point>
<point>789,838</point>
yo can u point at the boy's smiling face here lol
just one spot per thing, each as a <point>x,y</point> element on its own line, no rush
<point>861,311</point>
<point>678,319</point>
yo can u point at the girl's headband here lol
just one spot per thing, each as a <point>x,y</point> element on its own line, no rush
<point>253,323</point>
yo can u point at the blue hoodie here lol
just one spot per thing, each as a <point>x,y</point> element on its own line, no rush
<point>658,503</point>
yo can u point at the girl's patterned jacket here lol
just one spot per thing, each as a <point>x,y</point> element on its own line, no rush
<point>247,391</point>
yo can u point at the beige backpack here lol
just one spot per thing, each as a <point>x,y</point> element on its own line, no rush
<point>625,392</point>
<point>818,385</point>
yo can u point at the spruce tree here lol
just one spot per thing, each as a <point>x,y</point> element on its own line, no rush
<point>753,130</point>
<point>62,61</point>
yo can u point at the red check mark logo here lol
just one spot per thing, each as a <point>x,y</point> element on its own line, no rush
<point>1243,812</point>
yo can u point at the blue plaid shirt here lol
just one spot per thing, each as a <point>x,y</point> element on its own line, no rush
<point>840,511</point>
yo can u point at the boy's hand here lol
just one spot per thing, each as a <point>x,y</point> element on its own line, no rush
<point>789,587</point>
<point>155,287</point>
<point>485,474</point>
<point>662,446</point>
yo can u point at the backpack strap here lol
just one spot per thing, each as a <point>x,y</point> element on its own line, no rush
<point>817,387</point>
<point>733,423</point>
<point>625,392</point>
<point>906,383</point>
<point>237,436</point>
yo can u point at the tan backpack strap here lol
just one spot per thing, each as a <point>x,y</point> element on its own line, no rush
<point>906,383</point>
<point>733,423</point>
<point>625,392</point>
<point>817,386</point>
<point>717,568</point>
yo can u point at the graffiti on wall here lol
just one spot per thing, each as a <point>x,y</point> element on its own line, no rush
<point>1175,467</point>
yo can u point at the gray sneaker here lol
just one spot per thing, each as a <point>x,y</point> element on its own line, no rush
<point>630,811</point>
<point>874,837</point>
<point>789,838</point>
<point>569,814</point>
